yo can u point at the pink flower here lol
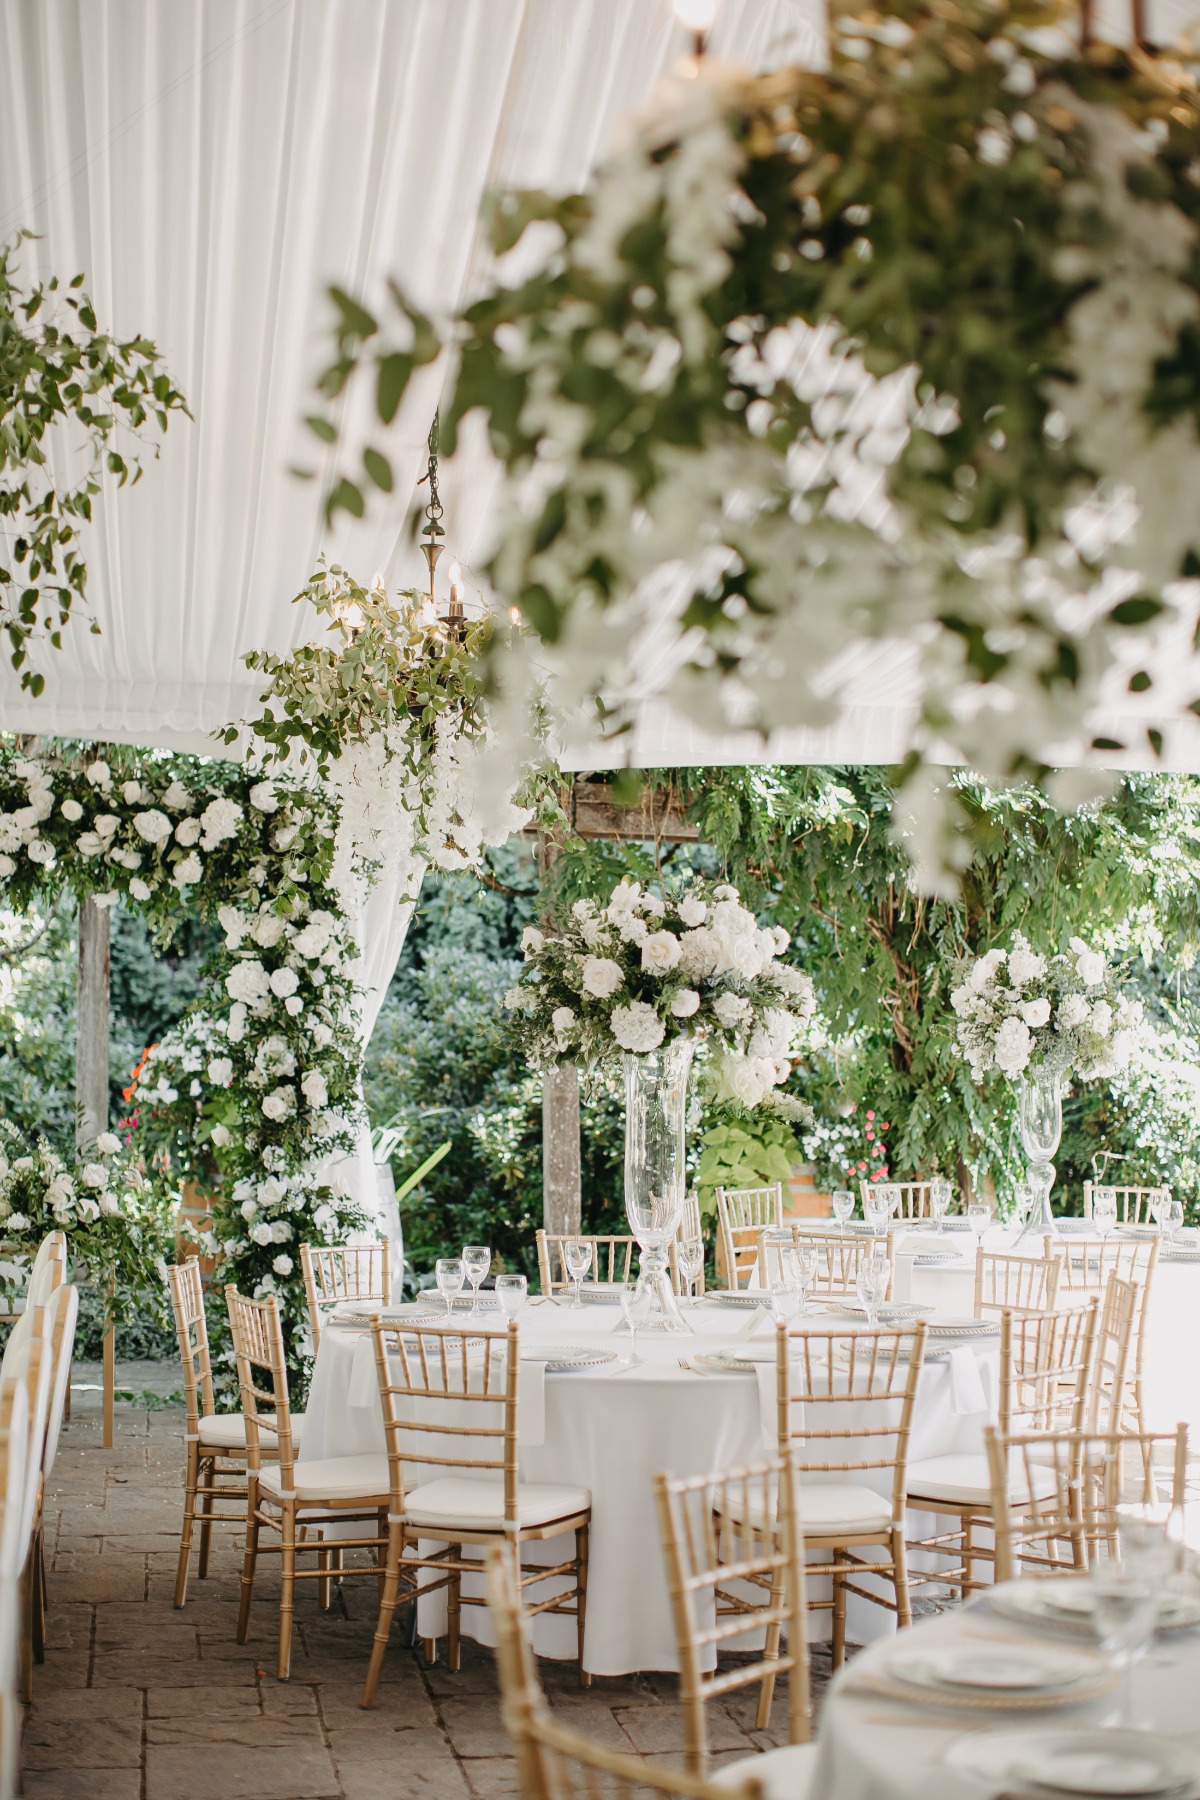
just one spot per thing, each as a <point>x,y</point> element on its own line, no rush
<point>870,1115</point>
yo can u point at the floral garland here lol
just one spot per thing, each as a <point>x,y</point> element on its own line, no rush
<point>117,1228</point>
<point>1018,1009</point>
<point>632,975</point>
<point>900,349</point>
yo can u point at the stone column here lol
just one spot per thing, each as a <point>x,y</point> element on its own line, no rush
<point>91,1033</point>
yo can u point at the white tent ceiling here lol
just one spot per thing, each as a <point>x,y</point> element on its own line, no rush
<point>213,165</point>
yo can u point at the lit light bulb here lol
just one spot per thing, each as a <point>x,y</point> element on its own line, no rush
<point>697,15</point>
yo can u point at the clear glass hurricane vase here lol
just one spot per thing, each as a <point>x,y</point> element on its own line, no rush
<point>1041,1133</point>
<point>655,1174</point>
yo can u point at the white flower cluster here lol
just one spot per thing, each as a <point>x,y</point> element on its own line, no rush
<point>643,969</point>
<point>1019,1009</point>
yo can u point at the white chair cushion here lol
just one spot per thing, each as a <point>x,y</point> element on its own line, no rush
<point>965,1481</point>
<point>228,1430</point>
<point>479,1505</point>
<point>827,1507</point>
<point>784,1774</point>
<point>333,1478</point>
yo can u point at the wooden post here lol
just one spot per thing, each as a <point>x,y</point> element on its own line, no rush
<point>561,1179</point>
<point>91,1081</point>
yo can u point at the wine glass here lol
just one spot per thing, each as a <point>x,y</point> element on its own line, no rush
<point>635,1299</point>
<point>1022,1201</point>
<point>871,1286</point>
<point>802,1264</point>
<point>940,1196</point>
<point>774,1243</point>
<point>1158,1208</point>
<point>843,1207</point>
<point>689,1259</point>
<point>875,1209</point>
<point>450,1275</point>
<point>577,1256</point>
<point>1172,1220</point>
<point>511,1291</point>
<point>477,1260</point>
<point>979,1217</point>
<point>1104,1209</point>
<point>1125,1613</point>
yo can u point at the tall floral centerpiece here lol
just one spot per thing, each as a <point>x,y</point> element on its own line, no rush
<point>1043,1019</point>
<point>650,980</point>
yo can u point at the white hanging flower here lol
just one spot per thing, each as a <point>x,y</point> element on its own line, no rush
<point>660,952</point>
<point>219,821</point>
<point>187,832</point>
<point>220,1071</point>
<point>188,872</point>
<point>637,1027</point>
<point>601,977</point>
<point>40,851</point>
<point>108,1143</point>
<point>139,889</point>
<point>685,1003</point>
<point>98,773</point>
<point>284,982</point>
<point>71,811</point>
<point>282,1265</point>
<point>152,826</point>
<point>731,1009</point>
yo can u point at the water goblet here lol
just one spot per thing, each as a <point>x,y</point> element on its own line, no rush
<point>1172,1221</point>
<point>689,1259</point>
<point>774,1243</point>
<point>843,1207</point>
<point>1104,1209</point>
<point>940,1196</point>
<point>578,1258</point>
<point>889,1193</point>
<point>802,1265</point>
<point>635,1299</point>
<point>979,1217</point>
<point>511,1291</point>
<point>1125,1613</point>
<point>450,1275</point>
<point>476,1260</point>
<point>1158,1208</point>
<point>871,1286</point>
<point>876,1211</point>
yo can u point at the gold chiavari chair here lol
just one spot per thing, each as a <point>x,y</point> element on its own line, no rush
<point>445,1397</point>
<point>1134,1203</point>
<point>690,1227</point>
<point>1112,1372</point>
<point>554,1762</point>
<point>28,1361</point>
<point>839,1260</point>
<point>1046,1362</point>
<point>343,1272</point>
<point>215,1443</point>
<point>612,1258</point>
<point>14,1449</point>
<point>853,1392</point>
<point>1008,1283</point>
<point>47,1271</point>
<point>61,1314</point>
<point>1055,1494</point>
<point>1088,1265</point>
<point>914,1197</point>
<point>742,1213</point>
<point>290,1498</point>
<point>739,1525</point>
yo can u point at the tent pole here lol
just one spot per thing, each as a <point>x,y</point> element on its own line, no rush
<point>561,1177</point>
<point>91,1079</point>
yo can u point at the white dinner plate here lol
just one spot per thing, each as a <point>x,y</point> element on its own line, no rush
<point>932,1259</point>
<point>567,1356</point>
<point>725,1362</point>
<point>1067,1601</point>
<point>1133,1231</point>
<point>1179,1253</point>
<point>964,1328</point>
<point>1130,1765</point>
<point>891,1310</point>
<point>740,1297</point>
<point>998,1669</point>
<point>601,1293</point>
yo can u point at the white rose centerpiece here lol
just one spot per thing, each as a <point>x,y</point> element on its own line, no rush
<point>1019,1011</point>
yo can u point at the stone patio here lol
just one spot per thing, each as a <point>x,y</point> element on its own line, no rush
<point>137,1701</point>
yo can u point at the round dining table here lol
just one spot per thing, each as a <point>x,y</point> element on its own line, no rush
<point>610,1427</point>
<point>878,1743</point>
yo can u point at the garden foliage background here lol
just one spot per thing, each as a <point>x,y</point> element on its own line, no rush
<point>813,850</point>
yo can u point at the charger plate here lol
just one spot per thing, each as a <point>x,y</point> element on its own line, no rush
<point>992,1680</point>
<point>567,1356</point>
<point>964,1328</point>
<point>1066,1602</point>
<point>601,1293</point>
<point>1182,1253</point>
<point>889,1311</point>
<point>932,1259</point>
<point>740,1297</point>
<point>1128,1765</point>
<point>724,1362</point>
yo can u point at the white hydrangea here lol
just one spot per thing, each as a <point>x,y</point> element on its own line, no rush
<point>1102,1018</point>
<point>95,1175</point>
<point>7,865</point>
<point>1013,1045</point>
<point>731,1009</point>
<point>219,821</point>
<point>248,982</point>
<point>637,1027</point>
<point>685,1003</point>
<point>692,910</point>
<point>1025,965</point>
<point>188,871</point>
<point>187,833</point>
<point>153,827</point>
<point>1072,1012</point>
<point>178,797</point>
<point>263,797</point>
<point>267,930</point>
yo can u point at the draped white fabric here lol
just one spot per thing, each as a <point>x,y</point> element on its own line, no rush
<point>212,165</point>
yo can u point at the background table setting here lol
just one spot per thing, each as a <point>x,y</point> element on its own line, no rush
<point>587,1415</point>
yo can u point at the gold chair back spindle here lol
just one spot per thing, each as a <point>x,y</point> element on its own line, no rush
<point>612,1258</point>
<point>839,1260</point>
<point>742,1213</point>
<point>333,1273</point>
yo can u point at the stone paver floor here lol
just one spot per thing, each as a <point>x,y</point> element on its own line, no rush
<point>138,1701</point>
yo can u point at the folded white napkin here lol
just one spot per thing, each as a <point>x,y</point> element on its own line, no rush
<point>966,1386</point>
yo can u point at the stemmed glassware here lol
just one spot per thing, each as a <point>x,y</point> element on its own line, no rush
<point>979,1217</point>
<point>1022,1201</point>
<point>889,1193</point>
<point>1127,1592</point>
<point>689,1259</point>
<point>1158,1209</point>
<point>802,1264</point>
<point>843,1207</point>
<point>476,1260</point>
<point>578,1258</point>
<point>1104,1209</point>
<point>876,1210</point>
<point>940,1196</point>
<point>450,1275</point>
<point>636,1300</point>
<point>511,1292</point>
<point>1172,1221</point>
<point>874,1273</point>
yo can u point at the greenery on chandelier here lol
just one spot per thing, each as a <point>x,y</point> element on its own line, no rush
<point>62,379</point>
<point>839,345</point>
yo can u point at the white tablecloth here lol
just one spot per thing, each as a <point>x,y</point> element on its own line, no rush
<point>873,1747</point>
<point>611,1432</point>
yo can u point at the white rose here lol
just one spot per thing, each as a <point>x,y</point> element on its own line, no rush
<point>71,810</point>
<point>725,892</point>
<point>314,1089</point>
<point>263,797</point>
<point>731,1009</point>
<point>94,1175</point>
<point>601,976</point>
<point>746,1084</point>
<point>637,1027</point>
<point>293,1006</point>
<point>98,773</point>
<point>282,1265</point>
<point>106,824</point>
<point>281,1231</point>
<point>108,1204</point>
<point>17,1222</point>
<point>153,826</point>
<point>220,1071</point>
<point>531,940</point>
<point>219,1135</point>
<point>267,930</point>
<point>1036,1012</point>
<point>189,871</point>
<point>1013,1045</point>
<point>982,974</point>
<point>141,890</point>
<point>187,832</point>
<point>1091,968</point>
<point>1072,1011</point>
<point>692,910</point>
<point>39,851</point>
<point>177,797</point>
<point>562,1021</point>
<point>7,865</point>
<point>261,1234</point>
<point>248,982</point>
<point>660,952</point>
<point>685,1003</point>
<point>1102,1018</point>
<point>108,1143</point>
<point>284,982</point>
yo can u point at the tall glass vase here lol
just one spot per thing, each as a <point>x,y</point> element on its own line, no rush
<point>1041,1133</point>
<point>655,1175</point>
